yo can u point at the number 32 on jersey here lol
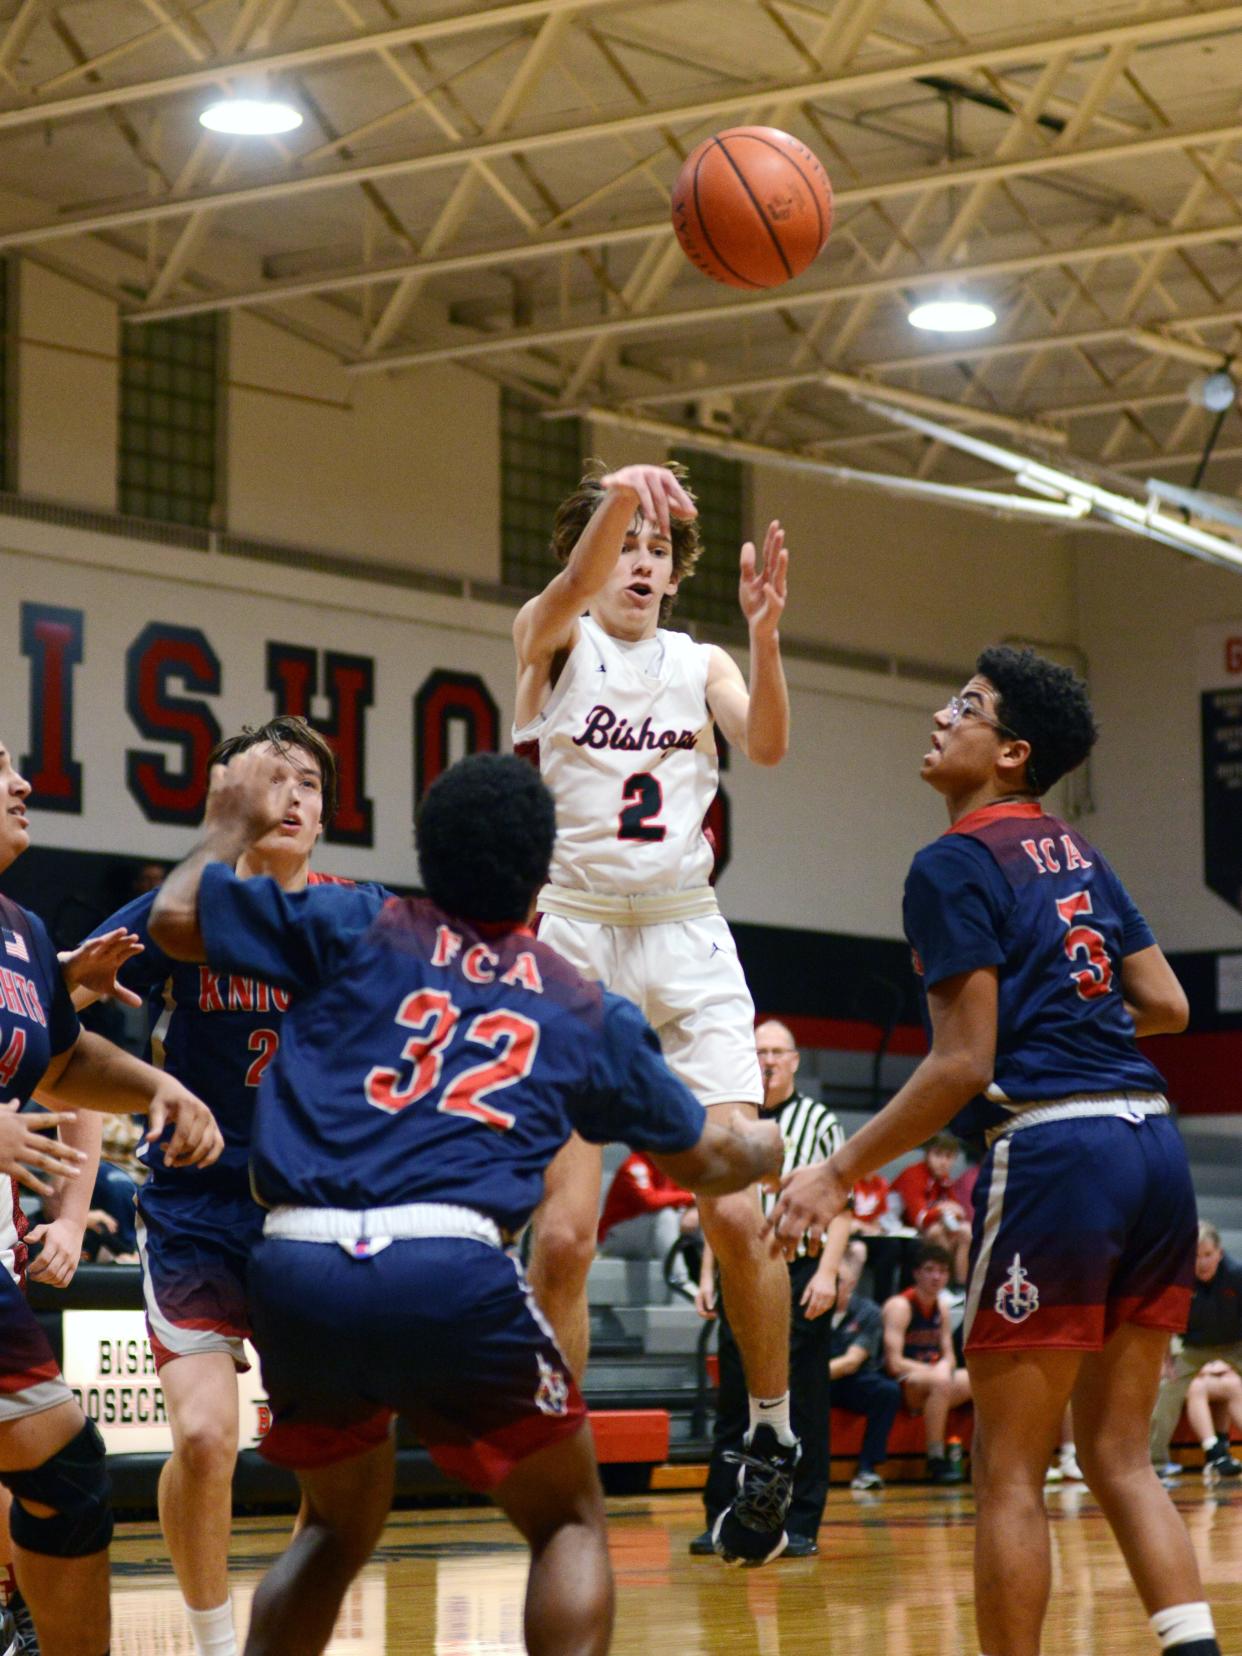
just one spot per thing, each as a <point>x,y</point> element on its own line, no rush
<point>435,1018</point>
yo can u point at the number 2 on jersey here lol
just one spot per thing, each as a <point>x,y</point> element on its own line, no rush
<point>643,799</point>
<point>434,1018</point>
<point>266,1042</point>
<point>1086,944</point>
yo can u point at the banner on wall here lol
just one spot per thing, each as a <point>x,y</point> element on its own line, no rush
<point>1219,650</point>
<point>122,680</point>
<point>107,1363</point>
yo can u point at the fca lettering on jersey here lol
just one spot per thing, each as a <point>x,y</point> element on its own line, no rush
<point>223,992</point>
<point>1043,853</point>
<point>479,963</point>
<point>603,729</point>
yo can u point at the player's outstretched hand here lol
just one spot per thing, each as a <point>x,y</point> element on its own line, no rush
<point>247,794</point>
<point>24,1145</point>
<point>809,1201</point>
<point>59,1253</point>
<point>819,1295</point>
<point>196,1140</point>
<point>761,591</point>
<point>661,497</point>
<point>94,964</point>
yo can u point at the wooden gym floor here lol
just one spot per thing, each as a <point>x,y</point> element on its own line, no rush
<point>892,1579</point>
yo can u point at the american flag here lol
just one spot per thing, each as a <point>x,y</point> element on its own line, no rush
<point>14,944</point>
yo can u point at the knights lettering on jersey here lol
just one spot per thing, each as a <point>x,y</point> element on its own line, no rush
<point>20,996</point>
<point>222,992</point>
<point>627,745</point>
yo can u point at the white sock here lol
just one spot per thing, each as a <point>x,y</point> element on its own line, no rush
<point>1182,1624</point>
<point>1209,1443</point>
<point>774,1412</point>
<point>212,1630</point>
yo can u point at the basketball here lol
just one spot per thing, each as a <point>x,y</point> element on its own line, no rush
<point>752,207</point>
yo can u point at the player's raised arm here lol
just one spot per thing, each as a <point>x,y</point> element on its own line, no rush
<point>245,800</point>
<point>545,624</point>
<point>755,717</point>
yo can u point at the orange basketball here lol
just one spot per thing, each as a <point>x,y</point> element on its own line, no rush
<point>752,207</point>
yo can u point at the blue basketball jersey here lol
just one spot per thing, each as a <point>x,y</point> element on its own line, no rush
<point>426,1059</point>
<point>216,1032</point>
<point>1011,887</point>
<point>37,1020</point>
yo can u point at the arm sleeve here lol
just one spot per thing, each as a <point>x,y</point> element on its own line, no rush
<point>294,939</point>
<point>63,1027</point>
<point>152,966</point>
<point>1136,934</point>
<point>631,1094</point>
<point>953,910</point>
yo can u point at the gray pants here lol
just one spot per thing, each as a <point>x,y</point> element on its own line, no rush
<point>1172,1395</point>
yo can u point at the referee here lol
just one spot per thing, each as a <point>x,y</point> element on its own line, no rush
<point>811,1132</point>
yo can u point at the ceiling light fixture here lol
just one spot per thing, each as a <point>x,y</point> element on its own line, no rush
<point>950,315</point>
<point>1216,391</point>
<point>251,117</point>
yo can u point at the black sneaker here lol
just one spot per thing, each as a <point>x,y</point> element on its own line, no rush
<point>703,1546</point>
<point>1221,1462</point>
<point>801,1546</point>
<point>751,1529</point>
<point>942,1470</point>
<point>10,1638</point>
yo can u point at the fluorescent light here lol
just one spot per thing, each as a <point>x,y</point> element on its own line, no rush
<point>251,117</point>
<point>952,316</point>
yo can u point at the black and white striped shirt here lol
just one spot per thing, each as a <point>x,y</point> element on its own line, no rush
<point>811,1133</point>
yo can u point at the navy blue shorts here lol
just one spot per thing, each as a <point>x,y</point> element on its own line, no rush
<point>30,1378</point>
<point>443,1332</point>
<point>1081,1225</point>
<point>194,1247</point>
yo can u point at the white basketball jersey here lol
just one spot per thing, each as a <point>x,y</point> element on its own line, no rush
<point>628,748</point>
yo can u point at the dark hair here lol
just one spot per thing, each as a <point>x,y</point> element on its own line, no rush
<point>1043,704</point>
<point>485,833</point>
<point>931,1253</point>
<point>573,515</point>
<point>286,730</point>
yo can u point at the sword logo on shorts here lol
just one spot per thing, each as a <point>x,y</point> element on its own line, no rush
<point>1017,1298</point>
<point>552,1392</point>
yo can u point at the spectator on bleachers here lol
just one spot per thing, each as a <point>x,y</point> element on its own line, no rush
<point>645,1214</point>
<point>918,1351</point>
<point>856,1378</point>
<point>928,1202</point>
<point>873,1213</point>
<point>111,1234</point>
<point>1213,1335</point>
<point>1213,1408</point>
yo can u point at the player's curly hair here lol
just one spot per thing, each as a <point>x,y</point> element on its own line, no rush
<point>285,731</point>
<point>485,833</point>
<point>574,513</point>
<point>1044,704</point>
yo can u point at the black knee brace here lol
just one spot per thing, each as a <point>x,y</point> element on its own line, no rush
<point>75,1482</point>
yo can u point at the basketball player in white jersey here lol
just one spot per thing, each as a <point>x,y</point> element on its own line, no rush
<point>622,715</point>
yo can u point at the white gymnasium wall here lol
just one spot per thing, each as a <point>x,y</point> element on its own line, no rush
<point>1139,606</point>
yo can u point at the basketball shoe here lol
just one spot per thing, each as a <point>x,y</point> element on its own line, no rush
<point>751,1529</point>
<point>1219,1462</point>
<point>10,1638</point>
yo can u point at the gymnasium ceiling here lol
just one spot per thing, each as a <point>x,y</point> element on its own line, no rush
<point>488,184</point>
